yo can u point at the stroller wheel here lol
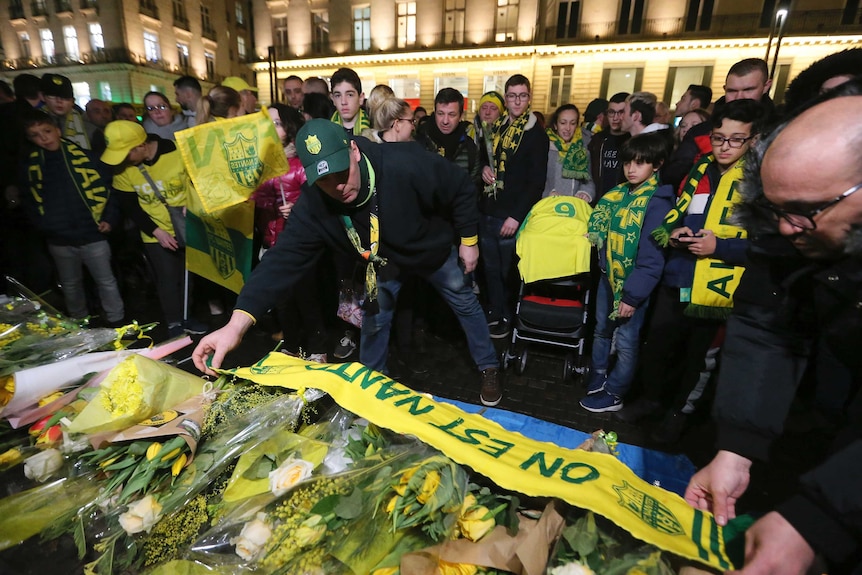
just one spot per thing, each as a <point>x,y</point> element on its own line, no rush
<point>505,359</point>
<point>569,367</point>
<point>520,359</point>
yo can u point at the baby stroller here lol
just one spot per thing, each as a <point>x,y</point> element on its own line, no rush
<point>554,295</point>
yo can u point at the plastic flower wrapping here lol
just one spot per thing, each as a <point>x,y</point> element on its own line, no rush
<point>152,470</point>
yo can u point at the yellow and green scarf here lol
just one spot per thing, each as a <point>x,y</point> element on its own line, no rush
<point>368,254</point>
<point>506,139</point>
<point>616,223</point>
<point>75,130</point>
<point>88,182</point>
<point>573,155</point>
<point>714,280</point>
<point>362,122</point>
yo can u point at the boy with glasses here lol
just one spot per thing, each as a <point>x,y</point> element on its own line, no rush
<point>514,181</point>
<point>703,268</point>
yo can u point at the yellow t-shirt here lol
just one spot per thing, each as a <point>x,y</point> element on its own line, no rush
<point>169,174</point>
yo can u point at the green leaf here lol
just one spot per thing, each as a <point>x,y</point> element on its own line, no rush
<point>583,535</point>
<point>326,505</point>
<point>350,506</point>
<point>79,537</point>
<point>122,464</point>
<point>139,448</point>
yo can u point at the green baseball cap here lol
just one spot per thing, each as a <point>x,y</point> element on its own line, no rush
<point>323,148</point>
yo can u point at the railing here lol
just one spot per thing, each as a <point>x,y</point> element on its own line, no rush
<point>111,56</point>
<point>181,22</point>
<point>62,6</point>
<point>38,9</point>
<point>16,12</point>
<point>209,33</point>
<point>149,8</point>
<point>89,4</point>
<point>815,22</point>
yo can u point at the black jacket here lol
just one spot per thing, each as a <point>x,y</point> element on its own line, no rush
<point>423,201</point>
<point>781,306</point>
<point>526,171</point>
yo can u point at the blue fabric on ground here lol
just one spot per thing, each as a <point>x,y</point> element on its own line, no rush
<point>671,472</point>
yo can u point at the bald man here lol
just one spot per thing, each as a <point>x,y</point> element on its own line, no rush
<point>803,284</point>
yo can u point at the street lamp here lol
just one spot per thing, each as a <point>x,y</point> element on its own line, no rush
<point>778,24</point>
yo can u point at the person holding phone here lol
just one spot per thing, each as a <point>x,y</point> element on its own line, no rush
<point>703,268</point>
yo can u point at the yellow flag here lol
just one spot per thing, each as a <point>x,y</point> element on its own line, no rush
<point>228,159</point>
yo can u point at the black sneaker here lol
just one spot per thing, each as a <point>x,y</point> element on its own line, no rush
<point>501,330</point>
<point>492,389</point>
<point>346,346</point>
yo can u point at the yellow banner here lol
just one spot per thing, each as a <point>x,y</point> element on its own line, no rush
<point>593,481</point>
<point>228,159</point>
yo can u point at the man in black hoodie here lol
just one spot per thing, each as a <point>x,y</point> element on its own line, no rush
<point>395,207</point>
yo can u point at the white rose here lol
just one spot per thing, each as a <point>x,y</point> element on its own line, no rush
<point>41,466</point>
<point>252,538</point>
<point>288,474</point>
<point>574,568</point>
<point>141,516</point>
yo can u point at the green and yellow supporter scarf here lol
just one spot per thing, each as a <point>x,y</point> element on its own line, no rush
<point>75,130</point>
<point>714,280</point>
<point>362,121</point>
<point>616,222</point>
<point>573,155</point>
<point>369,254</point>
<point>506,139</point>
<point>88,182</point>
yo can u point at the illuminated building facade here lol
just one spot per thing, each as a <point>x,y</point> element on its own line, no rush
<point>572,50</point>
<point>129,46</point>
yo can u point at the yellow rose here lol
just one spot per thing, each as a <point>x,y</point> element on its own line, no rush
<point>310,531</point>
<point>252,538</point>
<point>429,487</point>
<point>469,501</point>
<point>473,525</point>
<point>10,456</point>
<point>141,515</point>
<point>446,568</point>
<point>288,474</point>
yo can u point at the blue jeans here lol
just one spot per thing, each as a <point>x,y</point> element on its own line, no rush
<point>97,257</point>
<point>497,256</point>
<point>627,341</point>
<point>449,281</point>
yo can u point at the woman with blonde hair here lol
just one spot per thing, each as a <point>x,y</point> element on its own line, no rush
<point>377,96</point>
<point>220,102</point>
<point>393,121</point>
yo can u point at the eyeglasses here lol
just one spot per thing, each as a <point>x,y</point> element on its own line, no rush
<point>403,120</point>
<point>805,219</point>
<point>518,97</point>
<point>735,142</point>
<point>159,107</point>
<point>615,112</point>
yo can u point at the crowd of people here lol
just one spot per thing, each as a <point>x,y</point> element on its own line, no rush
<point>727,238</point>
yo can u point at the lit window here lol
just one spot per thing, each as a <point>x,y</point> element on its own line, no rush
<point>362,28</point>
<point>240,48</point>
<point>561,85</point>
<point>183,55</point>
<point>152,50</point>
<point>97,41</point>
<point>70,39</point>
<point>240,17</point>
<point>453,21</point>
<point>406,24</point>
<point>47,40</point>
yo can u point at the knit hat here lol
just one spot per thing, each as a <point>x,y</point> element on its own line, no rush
<point>237,84</point>
<point>121,136</point>
<point>493,97</point>
<point>323,148</point>
<point>594,108</point>
<point>56,85</point>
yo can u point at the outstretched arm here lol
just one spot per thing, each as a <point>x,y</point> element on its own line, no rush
<point>218,343</point>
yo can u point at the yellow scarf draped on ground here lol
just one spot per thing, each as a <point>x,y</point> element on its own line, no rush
<point>593,481</point>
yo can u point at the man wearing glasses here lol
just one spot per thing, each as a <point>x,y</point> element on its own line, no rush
<point>803,283</point>
<point>514,181</point>
<point>702,270</point>
<point>604,147</point>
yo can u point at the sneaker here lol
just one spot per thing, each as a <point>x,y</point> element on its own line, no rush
<point>602,402</point>
<point>175,330</point>
<point>597,382</point>
<point>195,327</point>
<point>638,410</point>
<point>500,330</point>
<point>492,389</point>
<point>317,357</point>
<point>346,346</point>
<point>490,319</point>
